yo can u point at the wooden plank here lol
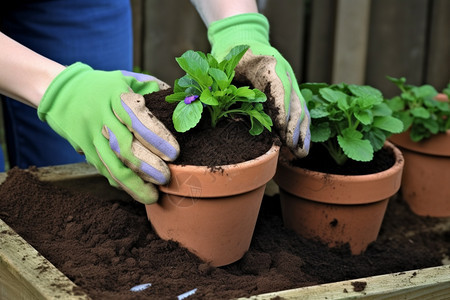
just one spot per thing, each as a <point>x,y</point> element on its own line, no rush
<point>171,27</point>
<point>424,284</point>
<point>438,56</point>
<point>286,20</point>
<point>350,48</point>
<point>397,42</point>
<point>320,40</point>
<point>25,274</point>
<point>137,17</point>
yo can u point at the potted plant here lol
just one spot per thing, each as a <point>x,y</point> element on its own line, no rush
<point>333,195</point>
<point>212,209</point>
<point>425,144</point>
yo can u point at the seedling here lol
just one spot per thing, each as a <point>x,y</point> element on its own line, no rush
<point>208,84</point>
<point>350,121</point>
<point>419,110</point>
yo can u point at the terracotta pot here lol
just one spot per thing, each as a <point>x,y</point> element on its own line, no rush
<point>337,209</point>
<point>426,177</point>
<point>213,213</point>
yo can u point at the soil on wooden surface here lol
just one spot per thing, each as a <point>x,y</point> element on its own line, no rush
<point>107,246</point>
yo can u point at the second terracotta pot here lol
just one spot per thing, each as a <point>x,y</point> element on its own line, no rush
<point>213,213</point>
<point>337,209</point>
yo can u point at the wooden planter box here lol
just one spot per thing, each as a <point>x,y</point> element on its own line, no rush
<point>21,278</point>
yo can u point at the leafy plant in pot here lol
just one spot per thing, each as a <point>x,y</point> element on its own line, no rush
<point>425,144</point>
<point>212,210</point>
<point>344,201</point>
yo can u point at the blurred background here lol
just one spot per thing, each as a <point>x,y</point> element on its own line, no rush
<point>353,41</point>
<point>332,41</point>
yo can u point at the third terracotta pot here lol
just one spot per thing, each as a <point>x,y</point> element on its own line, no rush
<point>213,213</point>
<point>426,178</point>
<point>337,209</point>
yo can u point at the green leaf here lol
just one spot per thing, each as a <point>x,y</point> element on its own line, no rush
<point>307,95</point>
<point>396,104</point>
<point>220,77</point>
<point>196,66</point>
<point>377,137</point>
<point>442,106</point>
<point>320,132</point>
<point>259,121</point>
<point>233,57</point>
<point>364,116</point>
<point>420,112</point>
<point>313,87</point>
<point>212,61</point>
<point>176,97</point>
<point>365,91</point>
<point>245,92</point>
<point>424,91</point>
<point>381,109</point>
<point>343,104</point>
<point>397,81</point>
<point>259,96</point>
<point>187,81</point>
<point>431,125</point>
<point>354,146</point>
<point>332,95</point>
<point>319,112</point>
<point>207,98</point>
<point>256,127</point>
<point>388,123</point>
<point>186,116</point>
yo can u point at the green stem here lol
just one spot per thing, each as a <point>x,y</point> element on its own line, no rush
<point>336,152</point>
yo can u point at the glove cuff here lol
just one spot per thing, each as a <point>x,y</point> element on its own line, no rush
<point>243,29</point>
<point>57,85</point>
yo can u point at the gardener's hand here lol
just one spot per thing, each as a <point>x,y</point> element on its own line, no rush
<point>103,115</point>
<point>268,71</point>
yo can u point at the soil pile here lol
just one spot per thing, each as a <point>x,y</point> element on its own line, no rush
<point>107,246</point>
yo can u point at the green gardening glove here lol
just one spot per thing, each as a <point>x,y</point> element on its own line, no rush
<point>268,71</point>
<point>103,115</point>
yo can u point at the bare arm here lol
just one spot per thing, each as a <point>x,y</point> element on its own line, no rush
<point>24,74</point>
<point>213,10</point>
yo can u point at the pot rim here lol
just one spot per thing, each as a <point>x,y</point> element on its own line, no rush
<point>438,144</point>
<point>310,184</point>
<point>233,178</point>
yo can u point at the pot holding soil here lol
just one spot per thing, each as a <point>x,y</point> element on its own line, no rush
<point>425,144</point>
<point>217,183</point>
<point>339,192</point>
<point>337,209</point>
<point>426,176</point>
<point>213,213</point>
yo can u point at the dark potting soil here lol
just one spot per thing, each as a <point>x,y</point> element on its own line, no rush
<point>229,143</point>
<point>319,160</point>
<point>107,246</point>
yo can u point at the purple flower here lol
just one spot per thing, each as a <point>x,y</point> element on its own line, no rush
<point>190,99</point>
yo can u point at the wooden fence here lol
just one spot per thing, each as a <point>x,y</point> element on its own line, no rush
<point>354,41</point>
